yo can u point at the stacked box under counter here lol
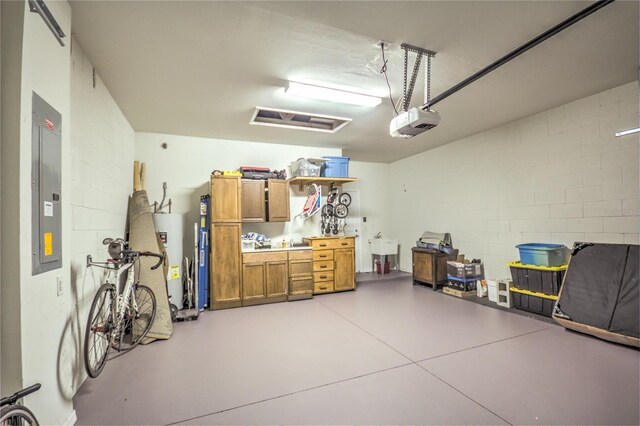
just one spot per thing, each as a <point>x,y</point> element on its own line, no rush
<point>333,263</point>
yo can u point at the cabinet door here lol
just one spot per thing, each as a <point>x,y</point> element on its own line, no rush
<point>225,199</point>
<point>423,267</point>
<point>253,284</point>
<point>278,200</point>
<point>277,278</point>
<point>226,263</point>
<point>253,201</point>
<point>345,269</point>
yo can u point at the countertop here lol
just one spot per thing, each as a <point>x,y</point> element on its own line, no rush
<point>265,250</point>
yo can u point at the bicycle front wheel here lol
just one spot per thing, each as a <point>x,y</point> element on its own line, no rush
<point>17,415</point>
<point>138,318</point>
<point>99,329</point>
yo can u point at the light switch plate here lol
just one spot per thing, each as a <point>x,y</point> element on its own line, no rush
<point>59,285</point>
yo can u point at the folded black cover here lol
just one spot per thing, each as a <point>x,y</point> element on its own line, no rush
<point>602,288</point>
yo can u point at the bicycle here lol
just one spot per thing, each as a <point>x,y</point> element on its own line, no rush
<point>120,315</point>
<point>334,211</point>
<point>13,413</point>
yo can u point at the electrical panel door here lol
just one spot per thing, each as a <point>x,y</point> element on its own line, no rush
<point>46,224</point>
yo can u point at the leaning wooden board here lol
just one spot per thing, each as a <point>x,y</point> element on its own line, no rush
<point>142,237</point>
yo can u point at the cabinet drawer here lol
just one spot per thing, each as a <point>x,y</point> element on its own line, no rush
<point>300,254</point>
<point>300,267</point>
<point>300,285</point>
<point>272,256</point>
<point>323,287</point>
<point>323,265</point>
<point>323,255</point>
<point>331,243</point>
<point>323,276</point>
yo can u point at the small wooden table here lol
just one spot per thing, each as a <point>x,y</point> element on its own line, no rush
<point>430,266</point>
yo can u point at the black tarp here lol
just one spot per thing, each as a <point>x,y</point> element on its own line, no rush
<point>601,288</point>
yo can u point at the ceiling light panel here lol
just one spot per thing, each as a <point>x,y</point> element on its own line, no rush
<point>322,93</point>
<point>298,120</point>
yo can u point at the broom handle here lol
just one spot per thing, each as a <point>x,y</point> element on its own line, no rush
<point>136,176</point>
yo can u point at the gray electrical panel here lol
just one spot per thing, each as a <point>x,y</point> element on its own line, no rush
<point>46,148</point>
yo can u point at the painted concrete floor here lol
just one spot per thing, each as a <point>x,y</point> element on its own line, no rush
<point>388,353</point>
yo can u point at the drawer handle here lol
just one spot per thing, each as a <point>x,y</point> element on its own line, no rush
<point>323,276</point>
<point>323,287</point>
<point>323,266</point>
<point>345,244</point>
<point>323,255</point>
<point>322,245</point>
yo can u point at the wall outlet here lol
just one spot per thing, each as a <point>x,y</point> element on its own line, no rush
<point>59,285</point>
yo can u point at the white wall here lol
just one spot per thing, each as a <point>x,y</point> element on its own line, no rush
<point>10,337</point>
<point>558,176</point>
<point>374,187</point>
<point>102,144</point>
<point>188,162</point>
<point>45,339</point>
<point>45,70</point>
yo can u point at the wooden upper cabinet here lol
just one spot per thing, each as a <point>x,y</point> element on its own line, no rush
<point>278,193</point>
<point>345,269</point>
<point>253,201</point>
<point>225,199</point>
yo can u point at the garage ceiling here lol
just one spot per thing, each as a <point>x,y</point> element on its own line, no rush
<point>200,68</point>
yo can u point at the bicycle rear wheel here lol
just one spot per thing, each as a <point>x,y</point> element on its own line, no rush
<point>14,415</point>
<point>99,328</point>
<point>137,323</point>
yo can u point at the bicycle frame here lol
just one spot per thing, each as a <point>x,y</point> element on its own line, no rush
<point>123,298</point>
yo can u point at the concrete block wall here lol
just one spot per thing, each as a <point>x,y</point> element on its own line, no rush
<point>102,147</point>
<point>558,176</point>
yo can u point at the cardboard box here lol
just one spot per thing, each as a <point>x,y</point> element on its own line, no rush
<point>457,293</point>
<point>464,270</point>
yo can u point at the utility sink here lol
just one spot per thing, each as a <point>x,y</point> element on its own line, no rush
<point>384,246</point>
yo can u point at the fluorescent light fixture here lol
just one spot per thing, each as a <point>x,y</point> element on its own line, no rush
<point>331,95</point>
<point>627,132</point>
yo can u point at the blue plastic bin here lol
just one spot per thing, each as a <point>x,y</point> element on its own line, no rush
<point>335,167</point>
<point>542,254</point>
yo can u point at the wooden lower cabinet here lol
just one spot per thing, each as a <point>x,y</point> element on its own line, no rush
<point>265,277</point>
<point>253,281</point>
<point>430,266</point>
<point>226,265</point>
<point>277,278</point>
<point>300,274</point>
<point>345,269</point>
<point>334,267</point>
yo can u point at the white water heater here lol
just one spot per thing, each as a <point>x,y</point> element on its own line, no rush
<point>170,228</point>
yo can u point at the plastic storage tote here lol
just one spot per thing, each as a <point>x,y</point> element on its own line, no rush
<point>538,279</point>
<point>542,254</point>
<point>541,304</point>
<point>335,167</point>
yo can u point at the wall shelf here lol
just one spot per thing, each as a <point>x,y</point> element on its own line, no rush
<point>303,181</point>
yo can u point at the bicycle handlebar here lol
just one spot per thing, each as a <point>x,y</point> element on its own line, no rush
<point>135,254</point>
<point>10,400</point>
<point>159,256</point>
